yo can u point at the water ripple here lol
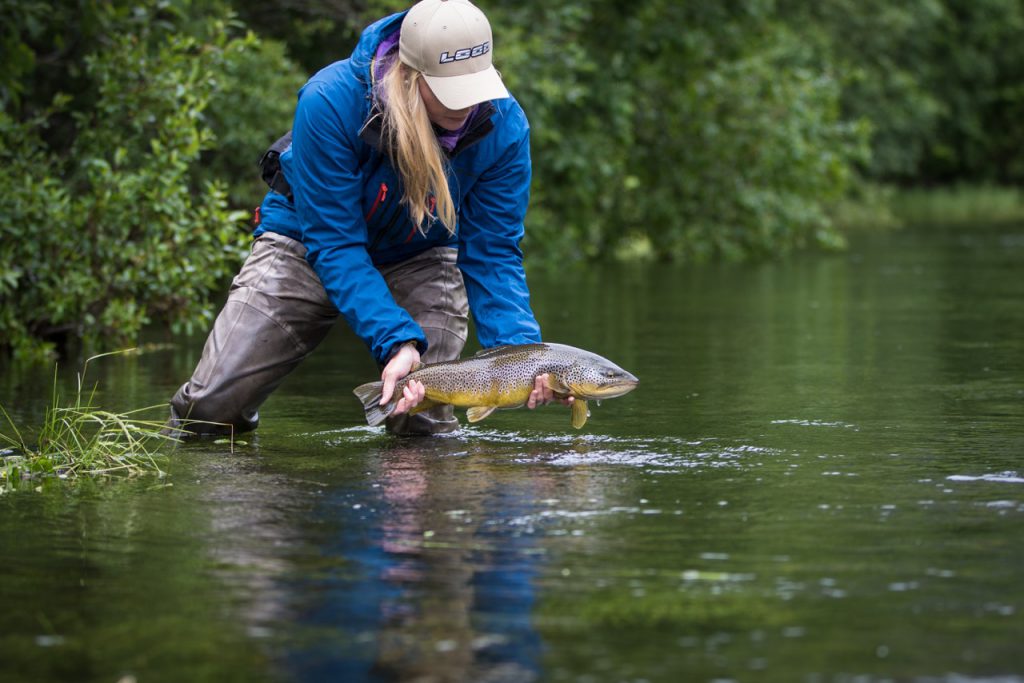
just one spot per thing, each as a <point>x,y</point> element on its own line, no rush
<point>1004,477</point>
<point>569,449</point>
<point>816,423</point>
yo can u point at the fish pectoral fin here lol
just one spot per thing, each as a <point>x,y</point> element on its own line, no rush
<point>580,413</point>
<point>477,413</point>
<point>556,385</point>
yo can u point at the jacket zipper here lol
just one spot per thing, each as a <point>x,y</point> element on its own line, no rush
<point>382,194</point>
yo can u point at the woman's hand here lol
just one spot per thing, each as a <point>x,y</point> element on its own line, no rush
<point>542,394</point>
<point>400,365</point>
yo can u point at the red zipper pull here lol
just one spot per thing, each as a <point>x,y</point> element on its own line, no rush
<point>382,194</point>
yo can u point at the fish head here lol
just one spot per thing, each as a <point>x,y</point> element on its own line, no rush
<point>590,376</point>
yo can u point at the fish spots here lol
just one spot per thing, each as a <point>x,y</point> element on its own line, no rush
<point>503,377</point>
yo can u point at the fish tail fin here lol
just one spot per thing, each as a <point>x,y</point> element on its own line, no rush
<point>369,394</point>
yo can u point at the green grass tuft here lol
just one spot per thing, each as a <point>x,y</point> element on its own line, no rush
<point>81,439</point>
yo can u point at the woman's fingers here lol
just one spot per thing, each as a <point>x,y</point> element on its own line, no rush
<point>543,394</point>
<point>400,365</point>
<point>537,396</point>
<point>389,388</point>
<point>412,394</point>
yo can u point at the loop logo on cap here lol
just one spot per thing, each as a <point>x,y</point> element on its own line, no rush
<point>449,42</point>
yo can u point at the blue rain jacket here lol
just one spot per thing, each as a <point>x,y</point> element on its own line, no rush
<point>346,208</point>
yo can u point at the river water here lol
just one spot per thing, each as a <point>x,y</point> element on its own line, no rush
<point>819,478</point>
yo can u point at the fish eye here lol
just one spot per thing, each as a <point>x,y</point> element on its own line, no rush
<point>610,373</point>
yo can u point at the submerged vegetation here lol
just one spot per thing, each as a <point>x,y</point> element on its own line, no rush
<point>78,438</point>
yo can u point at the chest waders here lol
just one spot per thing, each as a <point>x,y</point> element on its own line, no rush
<point>278,312</point>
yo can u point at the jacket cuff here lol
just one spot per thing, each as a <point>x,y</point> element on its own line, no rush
<point>398,347</point>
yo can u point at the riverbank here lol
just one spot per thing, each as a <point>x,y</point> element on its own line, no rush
<point>883,207</point>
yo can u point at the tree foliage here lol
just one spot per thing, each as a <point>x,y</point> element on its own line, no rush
<point>940,81</point>
<point>111,221</point>
<point>674,130</point>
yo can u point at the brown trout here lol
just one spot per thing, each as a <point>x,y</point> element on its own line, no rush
<point>503,377</point>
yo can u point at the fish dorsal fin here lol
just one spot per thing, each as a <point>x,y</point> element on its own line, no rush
<point>416,366</point>
<point>484,353</point>
<point>580,413</point>
<point>477,413</point>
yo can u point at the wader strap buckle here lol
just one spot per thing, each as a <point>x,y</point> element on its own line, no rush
<point>270,166</point>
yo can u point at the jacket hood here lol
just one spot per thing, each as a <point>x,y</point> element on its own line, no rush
<point>366,48</point>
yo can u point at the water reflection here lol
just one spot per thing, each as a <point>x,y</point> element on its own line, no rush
<point>433,592</point>
<point>447,543</point>
<point>252,543</point>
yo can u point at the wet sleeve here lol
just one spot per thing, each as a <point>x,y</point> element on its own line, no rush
<point>490,230</point>
<point>327,185</point>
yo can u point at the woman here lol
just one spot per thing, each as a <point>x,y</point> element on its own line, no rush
<point>407,182</point>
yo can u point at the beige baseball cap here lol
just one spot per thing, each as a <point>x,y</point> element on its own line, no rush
<point>449,42</point>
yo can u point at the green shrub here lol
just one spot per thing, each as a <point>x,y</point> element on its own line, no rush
<point>117,233</point>
<point>32,251</point>
<point>251,104</point>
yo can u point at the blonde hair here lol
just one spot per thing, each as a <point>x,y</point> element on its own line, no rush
<point>408,137</point>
